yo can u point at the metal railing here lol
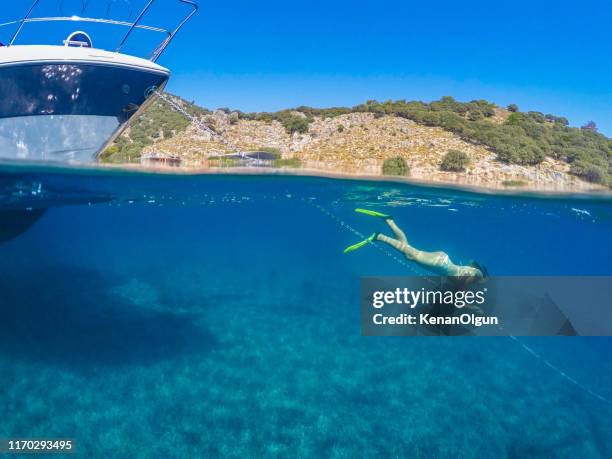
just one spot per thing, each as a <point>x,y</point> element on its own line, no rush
<point>157,52</point>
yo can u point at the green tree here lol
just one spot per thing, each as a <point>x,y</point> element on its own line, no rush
<point>513,108</point>
<point>595,174</point>
<point>454,161</point>
<point>589,172</point>
<point>395,166</point>
<point>590,126</point>
<point>297,124</point>
<point>107,154</point>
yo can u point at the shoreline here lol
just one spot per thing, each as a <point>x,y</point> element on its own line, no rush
<point>528,190</point>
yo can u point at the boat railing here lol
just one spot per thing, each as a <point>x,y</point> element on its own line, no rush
<point>136,24</point>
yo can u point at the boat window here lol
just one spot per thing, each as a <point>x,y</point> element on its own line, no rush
<point>78,40</point>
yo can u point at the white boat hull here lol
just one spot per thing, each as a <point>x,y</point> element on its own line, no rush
<point>64,104</point>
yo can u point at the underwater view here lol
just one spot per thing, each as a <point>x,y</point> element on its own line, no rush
<point>164,315</point>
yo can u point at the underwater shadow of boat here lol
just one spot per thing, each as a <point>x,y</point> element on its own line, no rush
<point>13,223</point>
<point>70,317</point>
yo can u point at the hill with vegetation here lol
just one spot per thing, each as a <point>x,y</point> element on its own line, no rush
<point>156,123</point>
<point>459,137</point>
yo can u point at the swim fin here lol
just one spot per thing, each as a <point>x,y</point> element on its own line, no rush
<point>373,213</point>
<point>361,244</point>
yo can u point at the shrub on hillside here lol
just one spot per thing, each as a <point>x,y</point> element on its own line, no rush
<point>289,162</point>
<point>273,150</point>
<point>296,124</point>
<point>595,174</point>
<point>291,121</point>
<point>454,161</point>
<point>589,172</point>
<point>107,154</point>
<point>395,166</point>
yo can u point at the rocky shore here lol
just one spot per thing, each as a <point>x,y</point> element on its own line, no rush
<point>358,143</point>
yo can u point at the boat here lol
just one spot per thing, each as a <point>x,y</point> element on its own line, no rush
<point>66,102</point>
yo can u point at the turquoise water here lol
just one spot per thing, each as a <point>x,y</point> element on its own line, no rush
<point>185,316</point>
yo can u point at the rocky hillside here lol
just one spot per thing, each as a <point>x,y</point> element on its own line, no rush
<point>516,149</point>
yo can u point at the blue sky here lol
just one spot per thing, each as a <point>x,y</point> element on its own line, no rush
<point>550,56</point>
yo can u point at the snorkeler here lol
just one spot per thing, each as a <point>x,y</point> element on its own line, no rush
<point>436,262</point>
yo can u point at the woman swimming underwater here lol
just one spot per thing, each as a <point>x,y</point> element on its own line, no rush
<point>436,262</point>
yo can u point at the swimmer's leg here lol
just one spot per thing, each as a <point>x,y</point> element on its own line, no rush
<point>399,234</point>
<point>398,245</point>
<point>408,251</point>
